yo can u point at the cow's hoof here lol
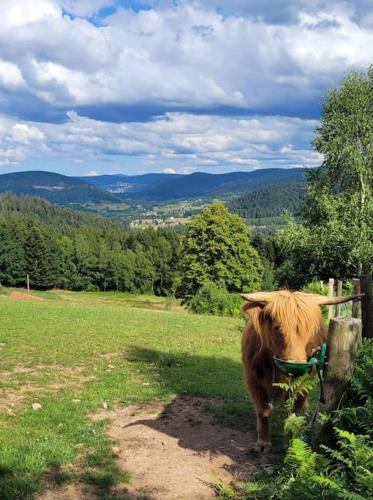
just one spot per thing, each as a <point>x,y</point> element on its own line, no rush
<point>264,446</point>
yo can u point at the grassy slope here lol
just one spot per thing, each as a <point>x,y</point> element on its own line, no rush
<point>51,350</point>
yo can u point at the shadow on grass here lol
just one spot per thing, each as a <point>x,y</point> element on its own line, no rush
<point>98,479</point>
<point>219,380</point>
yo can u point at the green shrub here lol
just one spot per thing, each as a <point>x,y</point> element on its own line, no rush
<point>210,299</point>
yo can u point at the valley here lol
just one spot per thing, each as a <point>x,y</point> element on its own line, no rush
<point>168,200</point>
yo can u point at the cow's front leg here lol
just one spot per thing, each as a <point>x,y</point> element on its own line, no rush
<point>260,397</point>
<point>263,414</point>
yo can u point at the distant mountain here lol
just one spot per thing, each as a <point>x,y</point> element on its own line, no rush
<point>55,188</point>
<point>168,187</point>
<point>270,201</point>
<point>156,188</point>
<point>127,184</point>
<point>203,184</point>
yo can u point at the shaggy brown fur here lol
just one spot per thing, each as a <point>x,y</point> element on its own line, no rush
<point>286,324</point>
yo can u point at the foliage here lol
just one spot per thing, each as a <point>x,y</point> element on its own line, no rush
<point>300,385</point>
<point>338,211</point>
<point>211,299</point>
<point>357,415</point>
<point>217,248</point>
<point>270,201</point>
<point>63,248</point>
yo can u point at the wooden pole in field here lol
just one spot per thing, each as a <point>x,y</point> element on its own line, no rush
<point>339,294</point>
<point>330,294</point>
<point>344,336</point>
<point>367,305</point>
<point>28,282</point>
<point>355,303</point>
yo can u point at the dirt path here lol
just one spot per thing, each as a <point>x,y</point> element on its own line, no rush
<point>177,452</point>
<point>173,452</point>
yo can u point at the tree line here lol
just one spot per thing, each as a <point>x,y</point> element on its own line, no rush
<point>63,248</point>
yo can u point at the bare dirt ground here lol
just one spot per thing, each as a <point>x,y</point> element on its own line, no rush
<point>24,296</point>
<point>173,452</point>
<point>177,452</point>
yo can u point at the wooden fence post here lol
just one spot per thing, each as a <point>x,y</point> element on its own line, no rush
<point>339,294</point>
<point>330,294</point>
<point>367,305</point>
<point>28,282</point>
<point>355,303</point>
<point>343,338</point>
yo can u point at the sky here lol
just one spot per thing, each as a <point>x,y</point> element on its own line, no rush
<point>124,86</point>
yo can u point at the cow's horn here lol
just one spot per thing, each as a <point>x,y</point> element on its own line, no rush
<point>259,297</point>
<point>330,301</point>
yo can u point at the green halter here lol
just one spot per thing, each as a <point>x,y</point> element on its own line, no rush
<point>297,369</point>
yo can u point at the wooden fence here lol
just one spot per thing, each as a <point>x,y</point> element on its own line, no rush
<point>360,309</point>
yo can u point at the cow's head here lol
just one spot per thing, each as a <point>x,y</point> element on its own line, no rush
<point>288,321</point>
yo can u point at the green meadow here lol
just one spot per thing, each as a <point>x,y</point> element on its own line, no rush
<point>76,353</point>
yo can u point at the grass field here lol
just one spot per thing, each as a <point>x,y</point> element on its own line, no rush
<point>74,353</point>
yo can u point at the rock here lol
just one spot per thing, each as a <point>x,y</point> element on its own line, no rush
<point>269,470</point>
<point>163,443</point>
<point>75,401</point>
<point>36,406</point>
<point>104,405</point>
<point>115,450</point>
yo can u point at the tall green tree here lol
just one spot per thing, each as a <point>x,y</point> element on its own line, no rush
<point>217,249</point>
<point>336,236</point>
<point>12,257</point>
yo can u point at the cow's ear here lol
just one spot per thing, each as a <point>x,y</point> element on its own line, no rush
<point>252,308</point>
<point>251,305</point>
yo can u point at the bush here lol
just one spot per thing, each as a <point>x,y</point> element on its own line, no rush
<point>210,299</point>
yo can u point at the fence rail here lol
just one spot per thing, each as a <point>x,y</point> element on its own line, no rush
<point>360,309</point>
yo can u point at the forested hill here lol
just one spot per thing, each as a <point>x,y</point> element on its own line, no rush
<point>168,187</point>
<point>55,188</point>
<point>213,185</point>
<point>62,248</point>
<point>43,212</point>
<point>270,201</point>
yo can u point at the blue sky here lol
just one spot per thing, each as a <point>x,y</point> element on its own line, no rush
<point>109,86</point>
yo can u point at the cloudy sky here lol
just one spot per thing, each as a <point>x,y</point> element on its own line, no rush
<point>109,86</point>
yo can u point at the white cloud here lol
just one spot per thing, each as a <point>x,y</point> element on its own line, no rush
<point>18,141</point>
<point>188,55</point>
<point>92,173</point>
<point>10,75</point>
<point>21,132</point>
<point>169,171</point>
<point>190,64</point>
<point>174,142</point>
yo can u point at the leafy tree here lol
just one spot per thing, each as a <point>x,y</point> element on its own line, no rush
<point>336,236</point>
<point>217,248</point>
